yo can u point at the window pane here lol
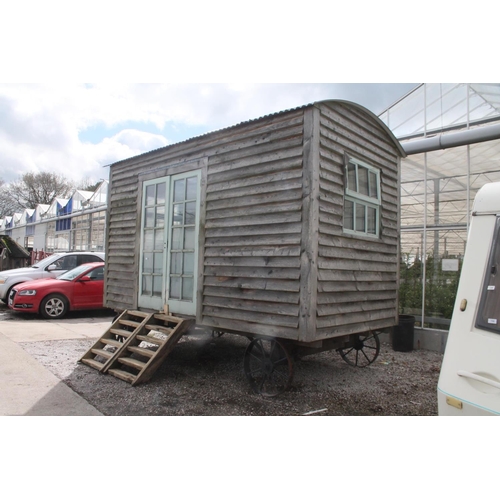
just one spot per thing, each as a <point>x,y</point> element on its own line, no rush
<point>160,216</point>
<point>160,193</point>
<point>158,263</point>
<point>147,263</point>
<point>157,286</point>
<point>187,288</point>
<point>190,213</point>
<point>188,263</point>
<point>192,182</point>
<point>150,195</point>
<point>177,238</point>
<point>147,285</point>
<point>178,217</point>
<point>351,176</point>
<point>373,185</point>
<point>189,238</point>
<point>159,239</point>
<point>360,217</point>
<point>148,241</point>
<point>349,215</point>
<point>149,217</point>
<point>363,180</point>
<point>179,190</point>
<point>175,288</point>
<point>371,220</point>
<point>176,265</point>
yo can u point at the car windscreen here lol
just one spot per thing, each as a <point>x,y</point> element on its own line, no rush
<point>71,275</point>
<point>43,262</point>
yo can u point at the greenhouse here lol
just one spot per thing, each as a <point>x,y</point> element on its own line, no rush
<point>451,134</point>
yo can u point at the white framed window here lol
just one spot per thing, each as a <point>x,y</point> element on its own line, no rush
<point>362,198</point>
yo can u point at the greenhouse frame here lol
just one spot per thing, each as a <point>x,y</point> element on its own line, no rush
<point>451,134</point>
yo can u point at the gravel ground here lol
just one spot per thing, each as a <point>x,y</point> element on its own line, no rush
<point>204,376</point>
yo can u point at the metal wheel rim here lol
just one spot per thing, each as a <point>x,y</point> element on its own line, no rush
<point>54,307</point>
<point>268,367</point>
<point>364,352</point>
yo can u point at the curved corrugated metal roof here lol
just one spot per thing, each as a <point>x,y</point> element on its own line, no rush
<point>278,113</point>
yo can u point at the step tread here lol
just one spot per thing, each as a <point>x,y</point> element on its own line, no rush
<point>102,352</point>
<point>112,342</point>
<point>134,363</point>
<point>92,363</point>
<point>123,375</point>
<point>142,351</point>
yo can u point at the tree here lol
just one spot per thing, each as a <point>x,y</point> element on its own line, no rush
<point>7,205</point>
<point>38,188</point>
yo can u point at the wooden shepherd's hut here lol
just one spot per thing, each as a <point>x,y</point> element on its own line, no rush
<point>285,226</point>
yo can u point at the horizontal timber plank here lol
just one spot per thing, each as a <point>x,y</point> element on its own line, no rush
<point>267,262</point>
<point>260,251</point>
<point>276,228</point>
<point>240,171</point>
<point>262,199</point>
<point>251,191</point>
<point>238,305</point>
<point>353,286</point>
<point>268,273</point>
<point>261,219</point>
<point>248,329</point>
<point>361,307</point>
<point>252,294</point>
<point>251,317</point>
<point>338,320</point>
<point>359,276</point>
<point>343,296</point>
<point>245,283</point>
<point>255,240</point>
<point>254,210</point>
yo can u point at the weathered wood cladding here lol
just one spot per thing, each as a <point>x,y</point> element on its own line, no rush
<point>274,259</point>
<point>357,276</point>
<point>252,237</point>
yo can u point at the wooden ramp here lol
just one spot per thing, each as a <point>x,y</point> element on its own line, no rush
<point>136,345</point>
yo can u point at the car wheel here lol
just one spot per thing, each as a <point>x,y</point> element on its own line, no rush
<point>54,306</point>
<point>6,300</point>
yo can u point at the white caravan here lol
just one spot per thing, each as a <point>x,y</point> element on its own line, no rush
<point>469,382</point>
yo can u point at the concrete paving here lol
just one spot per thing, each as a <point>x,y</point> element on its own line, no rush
<point>27,387</point>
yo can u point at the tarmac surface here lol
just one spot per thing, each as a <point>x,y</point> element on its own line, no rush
<point>27,387</point>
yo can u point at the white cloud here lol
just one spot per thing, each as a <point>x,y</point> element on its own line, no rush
<point>41,124</point>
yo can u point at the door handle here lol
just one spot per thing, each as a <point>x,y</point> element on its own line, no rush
<point>479,378</point>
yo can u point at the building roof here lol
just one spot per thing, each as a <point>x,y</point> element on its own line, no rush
<point>317,103</point>
<point>14,249</point>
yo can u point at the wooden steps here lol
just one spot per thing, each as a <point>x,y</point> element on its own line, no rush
<point>136,345</point>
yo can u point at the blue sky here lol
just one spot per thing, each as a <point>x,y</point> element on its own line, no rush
<point>77,129</point>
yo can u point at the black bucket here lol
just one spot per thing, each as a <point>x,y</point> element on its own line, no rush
<point>403,334</point>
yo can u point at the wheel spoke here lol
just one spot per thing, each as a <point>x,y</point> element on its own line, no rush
<point>268,367</point>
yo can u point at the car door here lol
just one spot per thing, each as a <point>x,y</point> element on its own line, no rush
<point>88,292</point>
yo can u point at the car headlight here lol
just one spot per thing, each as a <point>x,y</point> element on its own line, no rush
<point>27,292</point>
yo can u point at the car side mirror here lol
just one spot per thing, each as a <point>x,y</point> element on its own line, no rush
<point>85,278</point>
<point>52,267</point>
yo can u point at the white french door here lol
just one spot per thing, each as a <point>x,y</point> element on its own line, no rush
<point>169,243</point>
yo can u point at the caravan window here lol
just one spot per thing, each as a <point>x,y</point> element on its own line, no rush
<point>362,198</point>
<point>488,317</point>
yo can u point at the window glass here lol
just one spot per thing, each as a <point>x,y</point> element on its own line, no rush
<point>488,317</point>
<point>351,176</point>
<point>363,180</point>
<point>361,201</point>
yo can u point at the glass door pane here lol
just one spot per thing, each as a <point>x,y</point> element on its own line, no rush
<point>183,251</point>
<point>153,245</point>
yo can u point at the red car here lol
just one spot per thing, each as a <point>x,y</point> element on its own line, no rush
<point>80,288</point>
